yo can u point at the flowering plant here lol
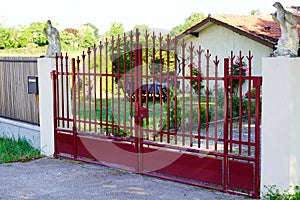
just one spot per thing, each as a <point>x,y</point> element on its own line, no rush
<point>239,67</point>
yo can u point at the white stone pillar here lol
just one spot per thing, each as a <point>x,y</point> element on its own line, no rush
<point>280,122</point>
<point>45,66</point>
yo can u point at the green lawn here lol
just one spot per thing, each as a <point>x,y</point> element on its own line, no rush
<point>118,112</point>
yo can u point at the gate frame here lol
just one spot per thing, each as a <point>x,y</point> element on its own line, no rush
<point>68,141</point>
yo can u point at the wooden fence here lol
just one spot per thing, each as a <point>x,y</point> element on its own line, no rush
<point>15,102</point>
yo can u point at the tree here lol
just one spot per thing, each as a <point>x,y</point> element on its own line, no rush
<point>37,34</point>
<point>95,29</point>
<point>176,30</point>
<point>4,37</point>
<point>24,36</point>
<point>8,38</point>
<point>142,28</point>
<point>87,37</point>
<point>69,38</point>
<point>116,28</point>
<point>193,19</point>
<point>255,12</point>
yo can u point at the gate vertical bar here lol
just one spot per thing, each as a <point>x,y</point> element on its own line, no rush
<point>140,125</point>
<point>83,92</point>
<point>249,100</point>
<point>89,95</point>
<point>125,88</point>
<point>113,73</point>
<point>54,89</point>
<point>240,58</point>
<point>67,91</point>
<point>78,92</point>
<point>199,77</point>
<point>175,90</point>
<point>160,38</point>
<point>168,40</point>
<point>95,86</point>
<point>138,121</point>
<point>57,94</point>
<point>74,109</point>
<point>153,73</point>
<point>191,68</point>
<point>101,85</point>
<point>207,56</point>
<point>183,54</point>
<point>118,83</point>
<point>231,100</point>
<point>131,84</point>
<point>147,80</point>
<point>225,158</point>
<point>62,91</point>
<point>216,63</point>
<point>257,84</point>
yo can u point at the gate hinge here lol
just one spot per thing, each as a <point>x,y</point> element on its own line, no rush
<point>53,75</point>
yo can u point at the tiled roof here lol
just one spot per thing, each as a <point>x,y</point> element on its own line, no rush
<point>260,28</point>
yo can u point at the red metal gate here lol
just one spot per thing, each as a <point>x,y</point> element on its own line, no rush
<point>156,106</point>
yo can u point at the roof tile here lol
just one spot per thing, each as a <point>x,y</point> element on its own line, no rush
<point>259,26</point>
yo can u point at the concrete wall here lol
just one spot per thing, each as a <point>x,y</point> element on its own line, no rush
<point>11,128</point>
<point>280,122</point>
<point>220,41</point>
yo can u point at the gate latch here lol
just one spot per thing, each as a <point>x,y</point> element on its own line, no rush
<point>143,111</point>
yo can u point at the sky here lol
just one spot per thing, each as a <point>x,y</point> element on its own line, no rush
<point>156,14</point>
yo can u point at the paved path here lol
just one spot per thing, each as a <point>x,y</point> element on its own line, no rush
<point>49,178</point>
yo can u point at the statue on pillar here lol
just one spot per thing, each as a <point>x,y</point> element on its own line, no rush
<point>54,40</point>
<point>288,43</point>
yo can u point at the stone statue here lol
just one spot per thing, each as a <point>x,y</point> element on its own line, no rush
<point>288,43</point>
<point>54,40</point>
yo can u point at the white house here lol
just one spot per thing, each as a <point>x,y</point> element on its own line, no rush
<point>224,33</point>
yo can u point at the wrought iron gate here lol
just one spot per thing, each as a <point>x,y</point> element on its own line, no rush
<point>155,106</point>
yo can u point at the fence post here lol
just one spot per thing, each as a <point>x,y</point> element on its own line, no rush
<point>280,122</point>
<point>45,66</point>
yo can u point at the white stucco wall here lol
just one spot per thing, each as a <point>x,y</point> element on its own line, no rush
<point>280,148</point>
<point>45,66</point>
<point>221,41</point>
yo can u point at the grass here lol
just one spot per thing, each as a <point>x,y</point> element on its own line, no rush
<point>118,114</point>
<point>13,150</point>
<point>122,104</point>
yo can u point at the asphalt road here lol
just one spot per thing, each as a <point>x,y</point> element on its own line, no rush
<point>50,178</point>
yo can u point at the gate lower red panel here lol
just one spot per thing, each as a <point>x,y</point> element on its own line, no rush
<point>96,149</point>
<point>186,166</point>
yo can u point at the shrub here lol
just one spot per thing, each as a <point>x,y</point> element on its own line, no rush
<point>235,104</point>
<point>173,109</point>
<point>195,114</point>
<point>274,194</point>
